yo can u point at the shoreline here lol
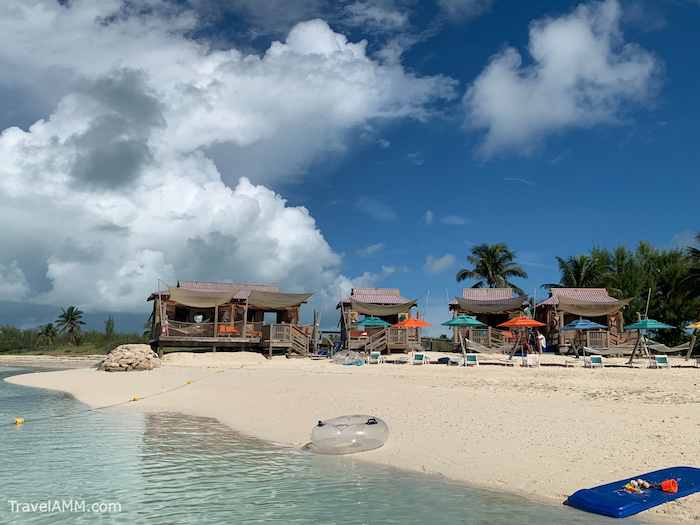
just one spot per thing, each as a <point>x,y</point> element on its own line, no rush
<point>538,434</point>
<point>50,361</point>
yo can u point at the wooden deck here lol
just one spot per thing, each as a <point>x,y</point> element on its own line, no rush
<point>272,337</point>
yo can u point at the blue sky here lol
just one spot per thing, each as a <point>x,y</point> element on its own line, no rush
<point>553,127</point>
<point>602,186</point>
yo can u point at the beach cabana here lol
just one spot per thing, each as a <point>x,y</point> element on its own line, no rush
<point>196,314</point>
<point>491,306</point>
<point>386,304</point>
<point>565,305</point>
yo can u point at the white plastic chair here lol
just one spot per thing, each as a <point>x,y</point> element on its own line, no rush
<point>660,361</point>
<point>419,358</point>
<point>593,361</point>
<point>375,358</point>
<point>471,360</point>
<point>531,361</point>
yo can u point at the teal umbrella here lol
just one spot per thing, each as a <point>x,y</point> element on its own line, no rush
<point>644,324</point>
<point>648,324</point>
<point>373,322</point>
<point>463,320</point>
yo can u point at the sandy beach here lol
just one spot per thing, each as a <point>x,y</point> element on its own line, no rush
<point>541,432</point>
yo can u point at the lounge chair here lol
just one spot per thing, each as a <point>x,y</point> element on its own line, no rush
<point>531,360</point>
<point>375,358</point>
<point>593,361</point>
<point>471,360</point>
<point>419,358</point>
<point>660,361</point>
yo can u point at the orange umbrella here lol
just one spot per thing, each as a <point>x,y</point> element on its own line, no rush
<point>412,323</point>
<point>521,322</point>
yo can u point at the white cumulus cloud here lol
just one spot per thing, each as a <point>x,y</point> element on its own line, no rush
<point>582,73</point>
<point>371,249</point>
<point>150,162</point>
<point>439,264</point>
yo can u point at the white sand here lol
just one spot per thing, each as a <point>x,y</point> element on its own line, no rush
<point>540,432</point>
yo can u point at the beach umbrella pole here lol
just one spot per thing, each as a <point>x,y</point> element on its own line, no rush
<point>692,344</point>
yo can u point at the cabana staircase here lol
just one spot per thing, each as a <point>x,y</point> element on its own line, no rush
<point>378,342</point>
<point>300,341</point>
<point>287,337</point>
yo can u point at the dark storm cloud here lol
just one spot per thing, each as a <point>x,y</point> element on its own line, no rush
<point>114,149</point>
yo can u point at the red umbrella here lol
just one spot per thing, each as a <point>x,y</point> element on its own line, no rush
<point>521,322</point>
<point>412,323</point>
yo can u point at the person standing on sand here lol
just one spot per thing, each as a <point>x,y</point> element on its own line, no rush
<point>541,341</point>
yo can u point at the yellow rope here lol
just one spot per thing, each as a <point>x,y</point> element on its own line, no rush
<point>19,421</point>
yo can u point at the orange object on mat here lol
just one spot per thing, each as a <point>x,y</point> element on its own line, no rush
<point>669,485</point>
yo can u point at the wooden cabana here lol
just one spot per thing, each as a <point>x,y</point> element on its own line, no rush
<point>228,315</point>
<point>491,306</point>
<point>386,304</point>
<point>568,304</point>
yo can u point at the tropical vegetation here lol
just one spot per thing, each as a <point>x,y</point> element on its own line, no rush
<point>665,279</point>
<point>69,322</point>
<point>65,336</point>
<point>493,266</point>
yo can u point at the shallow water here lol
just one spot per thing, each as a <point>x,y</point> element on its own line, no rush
<point>169,468</point>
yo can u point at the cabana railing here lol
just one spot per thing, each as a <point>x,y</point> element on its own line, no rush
<point>488,336</point>
<point>179,328</point>
<point>219,329</point>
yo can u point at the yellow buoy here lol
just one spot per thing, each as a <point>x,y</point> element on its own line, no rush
<point>189,382</point>
<point>19,421</point>
<point>135,398</point>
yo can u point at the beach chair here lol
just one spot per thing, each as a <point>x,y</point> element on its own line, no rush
<point>419,358</point>
<point>593,361</point>
<point>531,361</point>
<point>471,360</point>
<point>660,361</point>
<point>375,358</point>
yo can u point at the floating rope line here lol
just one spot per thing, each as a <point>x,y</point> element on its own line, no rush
<point>19,421</point>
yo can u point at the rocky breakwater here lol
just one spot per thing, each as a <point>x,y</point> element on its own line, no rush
<point>126,358</point>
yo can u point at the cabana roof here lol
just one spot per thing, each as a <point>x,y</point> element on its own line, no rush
<point>488,301</point>
<point>376,296</point>
<point>241,290</point>
<point>583,295</point>
<point>377,301</point>
<point>208,294</point>
<point>584,301</point>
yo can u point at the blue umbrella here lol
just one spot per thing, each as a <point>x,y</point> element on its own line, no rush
<point>583,324</point>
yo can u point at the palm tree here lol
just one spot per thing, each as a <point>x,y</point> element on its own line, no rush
<point>579,271</point>
<point>109,327</point>
<point>493,266</point>
<point>69,322</point>
<point>48,334</point>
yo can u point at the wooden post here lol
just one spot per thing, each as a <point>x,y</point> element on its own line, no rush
<point>634,350</point>
<point>692,344</point>
<point>216,321</point>
<point>315,333</point>
<point>245,318</point>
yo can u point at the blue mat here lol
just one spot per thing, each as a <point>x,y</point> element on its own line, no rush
<point>613,500</point>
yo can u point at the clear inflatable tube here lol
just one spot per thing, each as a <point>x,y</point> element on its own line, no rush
<point>348,434</point>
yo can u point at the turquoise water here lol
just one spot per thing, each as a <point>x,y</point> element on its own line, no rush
<point>169,468</point>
